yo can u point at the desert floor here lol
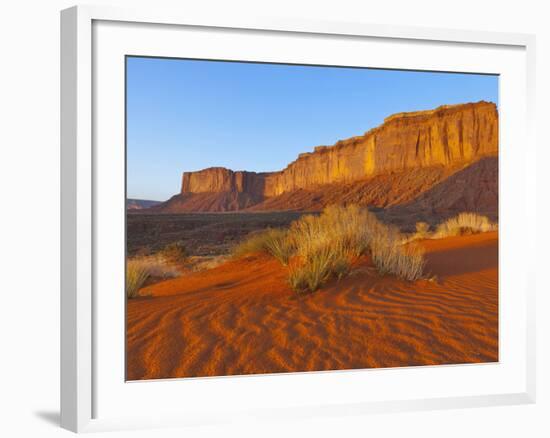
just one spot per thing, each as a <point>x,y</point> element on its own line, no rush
<point>204,234</point>
<point>242,318</point>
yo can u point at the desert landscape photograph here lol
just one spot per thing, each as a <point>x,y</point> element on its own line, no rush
<point>292,218</point>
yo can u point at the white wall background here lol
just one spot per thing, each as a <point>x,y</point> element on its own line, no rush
<point>29,215</point>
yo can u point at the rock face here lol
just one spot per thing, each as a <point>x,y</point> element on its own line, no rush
<point>220,179</point>
<point>446,137</point>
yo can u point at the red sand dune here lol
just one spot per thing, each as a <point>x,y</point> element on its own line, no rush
<point>242,318</point>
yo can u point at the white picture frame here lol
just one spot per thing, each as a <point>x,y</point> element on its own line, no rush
<point>83,176</point>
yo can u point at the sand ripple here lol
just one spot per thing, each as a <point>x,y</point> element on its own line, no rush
<point>241,318</point>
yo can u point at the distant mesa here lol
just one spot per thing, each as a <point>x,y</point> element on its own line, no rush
<point>393,164</point>
<point>140,204</point>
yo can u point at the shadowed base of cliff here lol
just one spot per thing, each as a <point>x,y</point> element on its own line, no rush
<point>242,318</point>
<point>207,202</point>
<point>212,223</point>
<point>430,194</point>
<point>473,189</point>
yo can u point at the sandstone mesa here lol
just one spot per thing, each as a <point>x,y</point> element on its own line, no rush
<point>448,137</point>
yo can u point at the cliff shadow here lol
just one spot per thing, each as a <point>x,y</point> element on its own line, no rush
<point>472,189</point>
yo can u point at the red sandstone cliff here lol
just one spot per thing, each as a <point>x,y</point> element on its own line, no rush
<point>220,179</point>
<point>445,136</point>
<point>448,137</point>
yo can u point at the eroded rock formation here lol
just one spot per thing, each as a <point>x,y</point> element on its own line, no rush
<point>447,137</point>
<point>220,179</point>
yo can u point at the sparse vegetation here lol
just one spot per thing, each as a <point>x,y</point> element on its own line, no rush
<point>279,245</point>
<point>174,252</point>
<point>317,248</point>
<point>136,276</point>
<point>312,272</point>
<point>331,242</point>
<point>391,257</point>
<point>345,230</point>
<point>274,241</point>
<point>341,267</point>
<point>255,242</point>
<point>422,229</point>
<point>464,223</point>
<point>139,270</point>
<point>204,234</point>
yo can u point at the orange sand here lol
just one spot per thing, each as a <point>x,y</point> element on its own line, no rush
<point>242,318</point>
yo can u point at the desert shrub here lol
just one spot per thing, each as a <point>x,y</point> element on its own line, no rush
<point>139,270</point>
<point>279,245</point>
<point>253,243</point>
<point>174,252</point>
<point>422,229</point>
<point>341,267</point>
<point>136,275</point>
<point>422,232</point>
<point>272,241</point>
<point>347,231</point>
<point>313,272</point>
<point>327,245</point>
<point>317,248</point>
<point>464,223</point>
<point>391,257</point>
<point>159,267</point>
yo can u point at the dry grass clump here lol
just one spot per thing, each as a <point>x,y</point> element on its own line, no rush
<point>174,252</point>
<point>136,275</point>
<point>309,274</point>
<point>139,270</point>
<point>253,243</point>
<point>464,223</point>
<point>318,248</point>
<point>274,241</point>
<point>347,231</point>
<point>327,245</point>
<point>422,230</point>
<point>391,257</point>
<point>279,245</point>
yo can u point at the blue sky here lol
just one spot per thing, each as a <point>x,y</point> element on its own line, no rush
<point>185,115</point>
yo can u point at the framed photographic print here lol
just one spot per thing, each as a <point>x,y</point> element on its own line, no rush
<point>257,208</point>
